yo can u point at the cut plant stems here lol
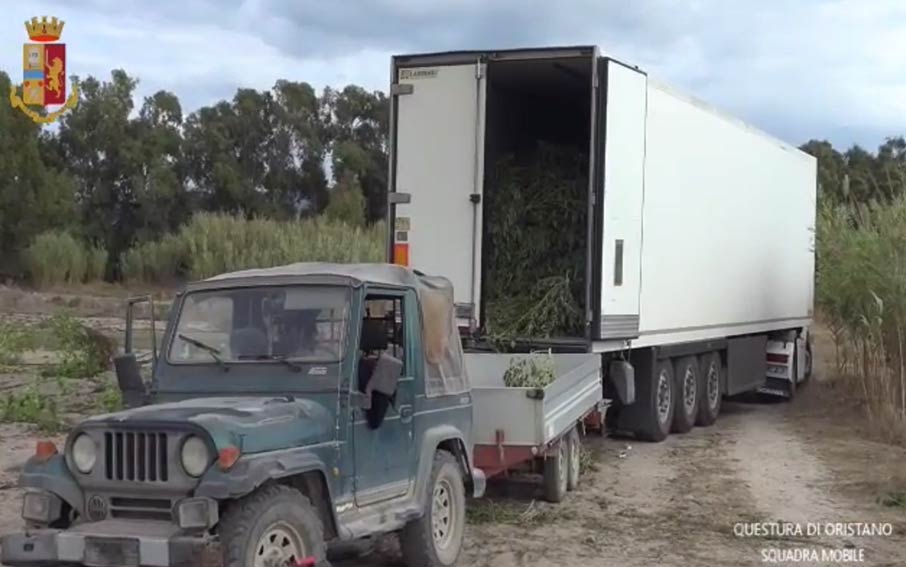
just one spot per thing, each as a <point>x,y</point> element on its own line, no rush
<point>535,245</point>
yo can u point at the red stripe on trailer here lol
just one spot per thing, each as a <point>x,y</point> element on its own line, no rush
<point>493,459</point>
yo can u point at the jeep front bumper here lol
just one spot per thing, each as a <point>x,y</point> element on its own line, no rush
<point>104,544</point>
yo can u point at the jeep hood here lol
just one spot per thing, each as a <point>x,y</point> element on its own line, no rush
<point>253,424</point>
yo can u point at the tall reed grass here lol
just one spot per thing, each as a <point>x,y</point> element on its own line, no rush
<point>57,257</point>
<point>211,244</point>
<point>861,291</point>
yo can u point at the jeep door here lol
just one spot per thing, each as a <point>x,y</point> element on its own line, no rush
<point>383,434</point>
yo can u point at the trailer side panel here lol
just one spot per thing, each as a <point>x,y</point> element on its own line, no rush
<point>728,225</point>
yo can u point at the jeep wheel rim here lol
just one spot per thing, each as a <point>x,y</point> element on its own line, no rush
<point>280,545</point>
<point>689,390</point>
<point>664,399</point>
<point>713,386</point>
<point>443,514</point>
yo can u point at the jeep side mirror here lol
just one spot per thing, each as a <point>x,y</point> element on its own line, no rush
<point>130,316</point>
<point>129,379</point>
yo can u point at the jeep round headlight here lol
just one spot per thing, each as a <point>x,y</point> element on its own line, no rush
<point>195,456</point>
<point>84,453</point>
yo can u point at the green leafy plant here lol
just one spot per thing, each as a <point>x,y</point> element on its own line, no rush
<point>31,406</point>
<point>861,291</point>
<point>536,222</point>
<point>212,244</point>
<point>84,352</point>
<point>14,341</point>
<point>534,371</point>
<point>347,203</point>
<point>56,257</point>
<point>111,399</point>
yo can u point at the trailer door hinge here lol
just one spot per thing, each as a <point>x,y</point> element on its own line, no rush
<point>398,198</point>
<point>398,89</point>
<point>479,69</point>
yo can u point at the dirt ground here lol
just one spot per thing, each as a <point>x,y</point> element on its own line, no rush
<point>691,500</point>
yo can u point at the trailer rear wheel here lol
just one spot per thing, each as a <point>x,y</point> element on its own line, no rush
<point>649,418</point>
<point>711,368</point>
<point>685,407</point>
<point>556,472</point>
<point>575,458</point>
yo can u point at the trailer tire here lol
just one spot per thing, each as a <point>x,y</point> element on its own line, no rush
<point>556,473</point>
<point>574,443</point>
<point>650,417</point>
<point>687,399</point>
<point>436,540</point>
<point>711,369</point>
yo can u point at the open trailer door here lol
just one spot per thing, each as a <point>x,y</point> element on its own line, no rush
<point>622,177</point>
<point>437,173</point>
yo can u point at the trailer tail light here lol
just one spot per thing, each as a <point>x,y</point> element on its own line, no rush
<point>401,254</point>
<point>776,358</point>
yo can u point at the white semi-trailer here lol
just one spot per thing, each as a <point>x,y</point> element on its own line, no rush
<point>699,245</point>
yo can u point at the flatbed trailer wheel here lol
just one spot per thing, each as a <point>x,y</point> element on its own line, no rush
<point>574,443</point>
<point>556,472</point>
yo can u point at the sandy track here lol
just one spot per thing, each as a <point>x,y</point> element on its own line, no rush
<point>673,503</point>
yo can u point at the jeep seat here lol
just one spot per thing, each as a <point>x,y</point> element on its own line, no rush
<point>372,343</point>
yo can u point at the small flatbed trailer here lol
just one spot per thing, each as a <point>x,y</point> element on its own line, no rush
<point>533,427</point>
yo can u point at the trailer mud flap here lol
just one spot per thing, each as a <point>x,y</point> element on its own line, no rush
<point>620,382</point>
<point>746,364</point>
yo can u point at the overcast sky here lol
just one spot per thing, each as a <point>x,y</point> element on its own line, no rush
<point>799,69</point>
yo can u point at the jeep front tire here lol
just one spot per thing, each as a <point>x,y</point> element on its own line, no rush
<point>435,539</point>
<point>274,526</point>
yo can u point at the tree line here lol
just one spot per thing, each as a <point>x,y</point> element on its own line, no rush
<point>114,175</point>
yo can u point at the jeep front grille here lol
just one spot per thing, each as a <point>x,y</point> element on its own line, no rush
<point>136,456</point>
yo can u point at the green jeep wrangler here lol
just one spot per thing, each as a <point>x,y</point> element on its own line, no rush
<point>290,408</point>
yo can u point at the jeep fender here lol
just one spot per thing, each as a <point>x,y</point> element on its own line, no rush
<point>252,471</point>
<point>431,441</point>
<point>53,476</point>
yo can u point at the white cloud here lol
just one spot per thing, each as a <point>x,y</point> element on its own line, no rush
<point>796,68</point>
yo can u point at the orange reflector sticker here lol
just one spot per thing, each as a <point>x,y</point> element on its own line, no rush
<point>401,254</point>
<point>45,450</point>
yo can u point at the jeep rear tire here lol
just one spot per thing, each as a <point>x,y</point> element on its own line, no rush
<point>435,539</point>
<point>275,525</point>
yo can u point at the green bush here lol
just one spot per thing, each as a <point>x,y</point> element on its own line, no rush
<point>861,290</point>
<point>57,257</point>
<point>31,406</point>
<point>96,263</point>
<point>84,352</point>
<point>212,244</point>
<point>14,340</point>
<point>347,203</point>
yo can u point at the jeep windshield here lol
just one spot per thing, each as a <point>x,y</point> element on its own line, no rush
<point>261,324</point>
